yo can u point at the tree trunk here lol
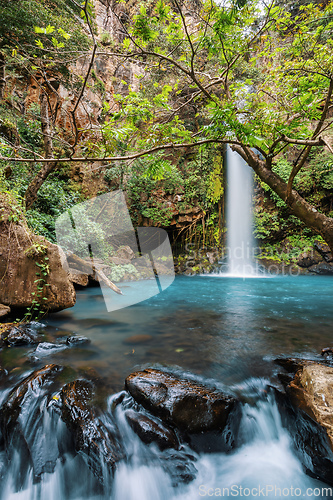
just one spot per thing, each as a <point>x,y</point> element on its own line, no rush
<point>307,213</point>
<point>47,168</point>
<point>2,76</point>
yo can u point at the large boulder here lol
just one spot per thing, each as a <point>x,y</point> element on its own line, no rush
<point>311,390</point>
<point>21,256</point>
<point>307,410</point>
<point>183,403</point>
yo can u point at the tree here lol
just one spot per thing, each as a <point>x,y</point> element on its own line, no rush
<point>254,76</point>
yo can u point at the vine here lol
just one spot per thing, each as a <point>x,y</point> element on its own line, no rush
<point>38,305</point>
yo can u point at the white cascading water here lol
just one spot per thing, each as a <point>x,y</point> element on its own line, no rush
<point>263,459</point>
<point>240,240</point>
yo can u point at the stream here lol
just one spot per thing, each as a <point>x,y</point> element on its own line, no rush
<point>224,332</point>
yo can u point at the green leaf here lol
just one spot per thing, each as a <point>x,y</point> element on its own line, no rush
<point>126,43</point>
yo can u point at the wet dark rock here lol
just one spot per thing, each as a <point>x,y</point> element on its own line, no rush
<point>151,431</point>
<point>4,310</point>
<point>308,259</point>
<point>36,381</point>
<point>47,348</point>
<point>327,351</point>
<point>3,373</point>
<point>179,465</point>
<point>77,340</point>
<point>22,334</point>
<point>185,404</point>
<point>291,365</point>
<point>22,418</point>
<point>91,436</point>
<point>323,268</point>
<point>308,410</point>
<point>310,439</point>
<point>324,250</point>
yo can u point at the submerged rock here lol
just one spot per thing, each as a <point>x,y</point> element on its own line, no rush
<point>151,431</point>
<point>47,348</point>
<point>77,340</point>
<point>137,339</point>
<point>185,404</point>
<point>91,436</point>
<point>307,410</point>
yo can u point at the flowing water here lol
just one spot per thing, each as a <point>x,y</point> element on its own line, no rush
<point>240,241</point>
<point>222,331</point>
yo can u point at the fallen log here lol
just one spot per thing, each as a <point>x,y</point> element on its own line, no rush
<point>89,268</point>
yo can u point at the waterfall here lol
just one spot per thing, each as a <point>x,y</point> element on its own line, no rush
<point>240,241</point>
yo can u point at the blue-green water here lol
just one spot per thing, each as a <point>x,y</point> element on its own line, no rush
<point>224,328</point>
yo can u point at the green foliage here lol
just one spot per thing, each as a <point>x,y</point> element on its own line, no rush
<point>159,214</point>
<point>118,272</point>
<point>54,22</point>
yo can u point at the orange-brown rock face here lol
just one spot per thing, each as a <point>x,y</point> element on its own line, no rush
<point>20,252</point>
<point>312,391</point>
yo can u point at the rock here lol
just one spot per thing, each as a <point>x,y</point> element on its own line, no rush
<point>323,268</point>
<point>47,348</point>
<point>308,259</point>
<point>81,280</point>
<point>307,411</point>
<point>179,465</point>
<point>4,310</point>
<point>137,339</point>
<point>77,340</point>
<point>22,420</point>
<point>11,408</point>
<point>21,334</point>
<point>150,431</point>
<point>327,351</point>
<point>324,250</point>
<point>20,251</point>
<point>125,253</point>
<point>91,436</point>
<point>3,373</point>
<point>120,262</point>
<point>312,391</point>
<point>185,404</point>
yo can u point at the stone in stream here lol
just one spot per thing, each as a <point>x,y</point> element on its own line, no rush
<point>74,340</point>
<point>91,436</point>
<point>151,431</point>
<point>185,404</point>
<point>307,411</point>
<point>20,334</point>
<point>47,348</point>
